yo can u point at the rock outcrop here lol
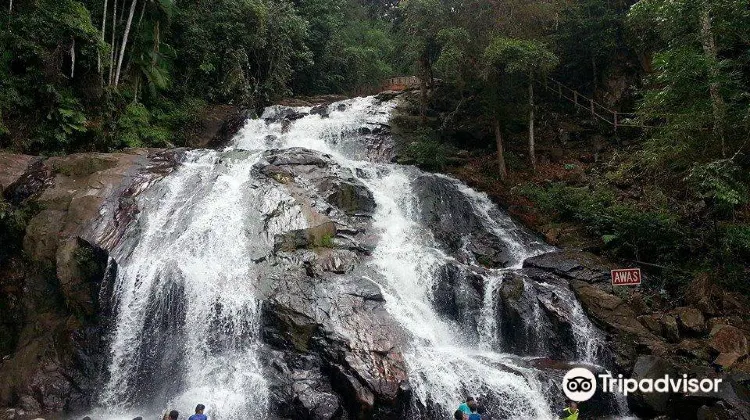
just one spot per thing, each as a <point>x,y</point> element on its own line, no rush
<point>331,347</point>
<point>51,282</point>
<point>451,217</point>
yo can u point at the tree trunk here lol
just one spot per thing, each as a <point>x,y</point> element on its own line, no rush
<point>717,101</point>
<point>532,149</point>
<point>112,55</point>
<point>10,7</point>
<point>125,41</point>
<point>137,29</point>
<point>500,155</point>
<point>104,28</point>
<point>73,58</point>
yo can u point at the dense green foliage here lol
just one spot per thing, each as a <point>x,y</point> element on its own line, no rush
<point>69,82</point>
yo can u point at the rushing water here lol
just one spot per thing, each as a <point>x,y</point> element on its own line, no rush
<point>187,313</point>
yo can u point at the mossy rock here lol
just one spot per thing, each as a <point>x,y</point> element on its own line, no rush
<point>317,236</point>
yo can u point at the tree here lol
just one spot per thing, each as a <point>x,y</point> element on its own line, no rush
<point>697,91</point>
<point>514,56</point>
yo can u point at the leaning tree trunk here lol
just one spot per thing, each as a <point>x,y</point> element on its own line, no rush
<point>717,101</point>
<point>500,154</point>
<point>125,41</point>
<point>532,149</point>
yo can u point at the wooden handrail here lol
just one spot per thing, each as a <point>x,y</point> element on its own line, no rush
<point>597,110</point>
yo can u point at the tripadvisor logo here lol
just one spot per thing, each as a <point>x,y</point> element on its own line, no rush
<point>580,384</point>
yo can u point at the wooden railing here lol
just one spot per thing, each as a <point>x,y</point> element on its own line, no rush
<point>397,83</point>
<point>597,110</point>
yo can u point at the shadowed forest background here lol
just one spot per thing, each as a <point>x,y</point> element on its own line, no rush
<point>669,193</point>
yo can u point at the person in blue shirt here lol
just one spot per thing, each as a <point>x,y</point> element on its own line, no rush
<point>199,413</point>
<point>474,415</point>
<point>465,407</point>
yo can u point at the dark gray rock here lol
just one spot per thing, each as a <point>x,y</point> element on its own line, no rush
<point>458,295</point>
<point>321,109</point>
<point>573,265</point>
<point>450,216</point>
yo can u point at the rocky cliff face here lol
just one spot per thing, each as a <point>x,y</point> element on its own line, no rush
<point>53,275</point>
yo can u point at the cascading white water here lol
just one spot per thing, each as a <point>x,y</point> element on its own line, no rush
<point>441,367</point>
<point>187,313</point>
<point>189,261</point>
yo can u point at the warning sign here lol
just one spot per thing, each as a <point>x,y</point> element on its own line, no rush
<point>626,277</point>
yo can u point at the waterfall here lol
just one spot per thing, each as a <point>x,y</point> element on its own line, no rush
<point>186,299</point>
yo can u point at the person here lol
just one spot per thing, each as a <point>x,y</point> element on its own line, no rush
<point>173,414</point>
<point>459,415</point>
<point>570,412</point>
<point>465,407</point>
<point>474,415</point>
<point>199,413</point>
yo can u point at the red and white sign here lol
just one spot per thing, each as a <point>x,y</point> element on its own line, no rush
<point>626,277</point>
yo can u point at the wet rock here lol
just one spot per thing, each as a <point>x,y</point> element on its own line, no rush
<point>59,330</point>
<point>609,310</point>
<point>535,316</point>
<point>349,195</point>
<point>298,156</point>
<point>463,235</point>
<point>457,295</point>
<point>339,261</point>
<point>690,320</point>
<point>349,337</point>
<point>573,265</point>
<point>321,109</point>
<point>228,129</point>
<point>29,184</point>
<point>277,113</point>
<point>13,167</point>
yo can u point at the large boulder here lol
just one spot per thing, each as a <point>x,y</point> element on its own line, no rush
<point>13,167</point>
<point>690,320</point>
<point>573,265</point>
<point>728,339</point>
